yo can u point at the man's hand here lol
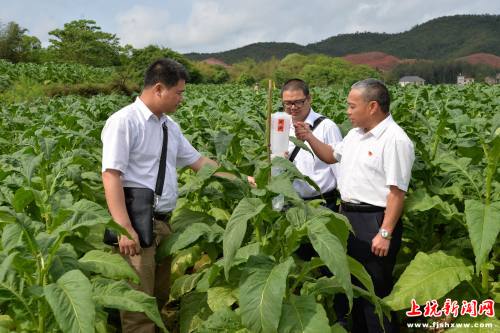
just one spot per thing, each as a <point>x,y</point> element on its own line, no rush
<point>380,246</point>
<point>302,131</point>
<point>251,181</point>
<point>129,247</point>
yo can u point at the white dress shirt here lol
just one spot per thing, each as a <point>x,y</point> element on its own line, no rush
<point>132,140</point>
<point>323,174</point>
<point>373,161</point>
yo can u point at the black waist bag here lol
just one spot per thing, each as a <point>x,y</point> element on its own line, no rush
<point>139,202</point>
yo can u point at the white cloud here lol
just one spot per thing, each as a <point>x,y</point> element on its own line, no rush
<point>141,26</point>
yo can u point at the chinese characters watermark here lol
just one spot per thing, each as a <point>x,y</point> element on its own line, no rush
<point>449,307</point>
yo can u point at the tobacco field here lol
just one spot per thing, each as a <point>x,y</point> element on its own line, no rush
<point>233,263</point>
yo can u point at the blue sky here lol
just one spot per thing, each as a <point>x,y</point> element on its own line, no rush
<point>219,25</point>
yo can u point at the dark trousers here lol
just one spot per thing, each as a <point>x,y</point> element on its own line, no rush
<point>365,226</point>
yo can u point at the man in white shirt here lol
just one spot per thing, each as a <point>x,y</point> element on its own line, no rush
<point>375,160</point>
<point>296,101</point>
<point>132,142</point>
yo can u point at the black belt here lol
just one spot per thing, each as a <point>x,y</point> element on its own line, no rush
<point>361,207</point>
<point>162,216</point>
<point>328,196</point>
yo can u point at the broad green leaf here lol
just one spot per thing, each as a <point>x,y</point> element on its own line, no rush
<point>302,314</point>
<point>219,214</point>
<point>194,312</point>
<point>483,222</point>
<point>236,228</point>
<point>291,171</point>
<point>332,252</point>
<point>209,277</point>
<point>119,295</point>
<point>184,238</point>
<point>381,309</point>
<point>242,254</point>
<point>70,299</point>
<point>184,284</point>
<point>219,298</point>
<point>110,265</point>
<point>322,286</point>
<point>101,322</point>
<point>64,260</point>
<point>337,328</point>
<point>6,265</point>
<point>421,201</point>
<point>12,236</point>
<point>359,271</point>
<point>336,223</point>
<point>222,141</point>
<point>281,184</point>
<point>450,163</point>
<point>427,277</point>
<point>85,214</point>
<point>183,260</point>
<point>7,324</point>
<point>29,165</point>
<point>222,321</point>
<point>184,217</point>
<point>7,215</point>
<point>262,288</point>
<point>301,144</point>
<point>197,182</point>
<point>22,198</point>
<point>296,216</point>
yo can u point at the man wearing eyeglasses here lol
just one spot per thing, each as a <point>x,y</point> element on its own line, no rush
<point>297,102</point>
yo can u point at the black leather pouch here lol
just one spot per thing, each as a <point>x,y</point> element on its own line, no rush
<point>139,202</point>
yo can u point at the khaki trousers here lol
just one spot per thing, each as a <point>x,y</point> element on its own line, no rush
<point>154,281</point>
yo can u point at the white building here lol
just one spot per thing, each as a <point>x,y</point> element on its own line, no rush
<point>411,80</point>
<point>462,79</point>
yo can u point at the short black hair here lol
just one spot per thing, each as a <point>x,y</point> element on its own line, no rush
<point>374,90</point>
<point>295,84</point>
<point>166,71</point>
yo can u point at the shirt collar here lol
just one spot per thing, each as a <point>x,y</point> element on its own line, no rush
<point>381,127</point>
<point>311,117</point>
<point>146,112</point>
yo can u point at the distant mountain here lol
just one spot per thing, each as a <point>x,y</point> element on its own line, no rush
<point>444,38</point>
<point>256,51</point>
<point>482,58</point>
<point>378,60</point>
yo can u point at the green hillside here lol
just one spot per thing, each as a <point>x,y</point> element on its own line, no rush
<point>256,51</point>
<point>444,38</point>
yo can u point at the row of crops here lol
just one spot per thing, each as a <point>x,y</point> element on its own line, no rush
<point>234,267</point>
<point>51,73</point>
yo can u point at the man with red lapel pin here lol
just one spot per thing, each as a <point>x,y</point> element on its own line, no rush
<point>375,160</point>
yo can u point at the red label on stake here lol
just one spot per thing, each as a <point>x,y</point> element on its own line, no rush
<point>281,125</point>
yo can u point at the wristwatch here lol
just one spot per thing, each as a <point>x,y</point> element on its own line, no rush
<point>384,233</point>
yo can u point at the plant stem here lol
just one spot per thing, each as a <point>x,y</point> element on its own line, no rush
<point>478,295</point>
<point>268,121</point>
<point>485,276</point>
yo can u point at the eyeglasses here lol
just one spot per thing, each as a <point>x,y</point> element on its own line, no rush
<point>297,103</point>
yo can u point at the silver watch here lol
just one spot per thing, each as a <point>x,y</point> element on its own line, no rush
<point>384,233</point>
